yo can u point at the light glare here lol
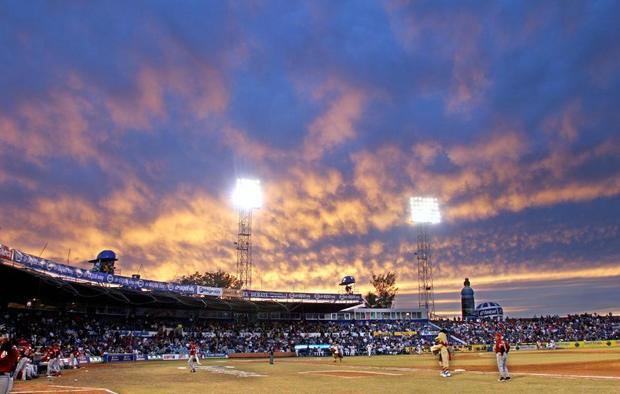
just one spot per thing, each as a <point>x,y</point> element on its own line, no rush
<point>424,210</point>
<point>247,194</point>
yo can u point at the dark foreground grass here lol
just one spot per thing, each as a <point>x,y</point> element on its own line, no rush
<point>385,374</point>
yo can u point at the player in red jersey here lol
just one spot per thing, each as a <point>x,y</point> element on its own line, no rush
<point>193,357</point>
<point>9,356</point>
<point>24,358</point>
<point>502,347</point>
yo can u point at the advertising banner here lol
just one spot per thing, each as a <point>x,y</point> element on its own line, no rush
<point>209,291</point>
<point>312,346</point>
<point>587,344</point>
<point>100,277</point>
<point>52,267</point>
<point>405,333</point>
<point>170,357</point>
<point>283,295</point>
<point>118,357</point>
<point>261,355</point>
<point>232,293</point>
<point>142,334</point>
<point>527,346</point>
<point>490,312</point>
<point>175,356</point>
<point>213,355</point>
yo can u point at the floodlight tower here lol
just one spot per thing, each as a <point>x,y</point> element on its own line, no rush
<point>425,212</point>
<point>246,197</point>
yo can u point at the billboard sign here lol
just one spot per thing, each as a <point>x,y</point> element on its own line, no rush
<point>68,271</point>
<point>289,296</point>
<point>44,265</point>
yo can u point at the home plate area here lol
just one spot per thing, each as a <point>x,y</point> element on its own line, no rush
<point>349,374</point>
<point>226,370</point>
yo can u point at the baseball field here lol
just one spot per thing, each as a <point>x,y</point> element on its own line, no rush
<point>559,371</point>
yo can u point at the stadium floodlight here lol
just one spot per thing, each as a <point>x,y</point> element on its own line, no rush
<point>424,210</point>
<point>247,194</point>
<point>246,197</point>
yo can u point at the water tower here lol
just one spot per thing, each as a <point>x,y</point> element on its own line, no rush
<point>468,304</point>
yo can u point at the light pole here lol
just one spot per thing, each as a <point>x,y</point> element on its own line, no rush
<point>246,197</point>
<point>425,212</point>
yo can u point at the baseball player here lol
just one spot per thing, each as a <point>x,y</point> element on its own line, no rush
<point>336,352</point>
<point>21,365</point>
<point>270,351</point>
<point>23,348</point>
<point>369,349</point>
<point>54,364</point>
<point>74,358</point>
<point>193,357</point>
<point>441,348</point>
<point>9,356</point>
<point>502,347</point>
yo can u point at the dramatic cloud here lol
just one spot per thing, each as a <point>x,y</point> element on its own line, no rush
<point>123,126</point>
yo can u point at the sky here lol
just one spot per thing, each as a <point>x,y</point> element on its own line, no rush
<point>123,126</point>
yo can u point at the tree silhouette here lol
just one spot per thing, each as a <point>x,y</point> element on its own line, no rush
<point>212,279</point>
<point>370,300</point>
<point>385,290</point>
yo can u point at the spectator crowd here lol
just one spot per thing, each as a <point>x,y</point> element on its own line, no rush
<point>585,327</point>
<point>97,335</point>
<point>45,336</point>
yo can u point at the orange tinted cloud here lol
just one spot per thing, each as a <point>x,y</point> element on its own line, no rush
<point>337,124</point>
<point>191,231</point>
<point>42,128</point>
<point>243,145</point>
<point>201,86</point>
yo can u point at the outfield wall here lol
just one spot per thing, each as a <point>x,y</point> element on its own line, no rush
<point>261,355</point>
<point>612,343</point>
<point>588,344</point>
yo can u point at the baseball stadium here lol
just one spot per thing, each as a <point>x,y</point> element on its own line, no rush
<point>309,196</point>
<point>95,332</point>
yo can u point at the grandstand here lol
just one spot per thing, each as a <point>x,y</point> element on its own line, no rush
<point>59,286</point>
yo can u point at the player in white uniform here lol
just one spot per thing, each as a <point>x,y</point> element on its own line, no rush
<point>441,348</point>
<point>336,352</point>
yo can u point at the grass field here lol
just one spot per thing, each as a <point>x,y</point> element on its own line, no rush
<point>573,371</point>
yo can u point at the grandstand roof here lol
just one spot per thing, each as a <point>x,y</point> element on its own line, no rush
<point>24,284</point>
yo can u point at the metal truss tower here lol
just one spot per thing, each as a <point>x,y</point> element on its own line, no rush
<point>244,248</point>
<point>246,197</point>
<point>425,271</point>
